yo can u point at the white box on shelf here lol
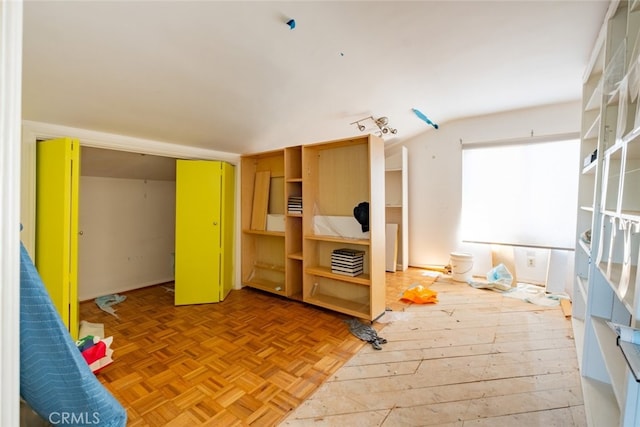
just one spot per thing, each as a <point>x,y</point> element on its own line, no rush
<point>275,222</point>
<point>339,226</point>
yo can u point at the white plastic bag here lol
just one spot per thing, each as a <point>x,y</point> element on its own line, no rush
<point>500,277</point>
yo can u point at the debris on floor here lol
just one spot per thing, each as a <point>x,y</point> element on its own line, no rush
<point>95,348</point>
<point>533,294</point>
<point>393,316</point>
<point>421,295</point>
<point>365,333</point>
<point>565,304</point>
<point>431,273</point>
<point>96,351</point>
<point>500,276</point>
<point>499,279</point>
<point>88,328</point>
<point>106,302</point>
<point>443,269</point>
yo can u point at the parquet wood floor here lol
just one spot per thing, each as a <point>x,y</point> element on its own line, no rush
<point>246,361</point>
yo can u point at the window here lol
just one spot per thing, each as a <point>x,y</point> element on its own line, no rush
<point>521,193</point>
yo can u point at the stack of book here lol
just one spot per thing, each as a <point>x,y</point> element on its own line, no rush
<point>349,262</point>
<point>294,206</point>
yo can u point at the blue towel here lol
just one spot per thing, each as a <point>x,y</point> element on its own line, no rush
<point>54,378</point>
<point>105,303</point>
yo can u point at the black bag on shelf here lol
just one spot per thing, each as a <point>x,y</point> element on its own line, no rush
<point>361,214</point>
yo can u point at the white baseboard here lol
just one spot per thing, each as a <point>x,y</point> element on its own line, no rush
<point>90,296</point>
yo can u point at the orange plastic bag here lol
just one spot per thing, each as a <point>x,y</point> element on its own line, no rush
<point>420,295</point>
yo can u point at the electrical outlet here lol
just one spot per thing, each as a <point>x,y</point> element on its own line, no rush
<point>531,262</point>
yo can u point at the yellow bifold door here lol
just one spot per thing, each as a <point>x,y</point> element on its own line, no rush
<point>56,253</point>
<point>204,231</point>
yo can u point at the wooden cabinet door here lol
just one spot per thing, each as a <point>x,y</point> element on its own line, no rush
<point>201,230</point>
<point>56,254</point>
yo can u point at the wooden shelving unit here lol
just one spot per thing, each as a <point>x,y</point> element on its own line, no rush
<point>331,178</point>
<point>293,221</point>
<point>338,175</point>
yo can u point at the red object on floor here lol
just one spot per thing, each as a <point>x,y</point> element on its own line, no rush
<point>94,353</point>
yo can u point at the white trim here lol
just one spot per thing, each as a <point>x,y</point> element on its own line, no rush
<point>93,295</point>
<point>10,115</point>
<point>90,138</point>
<point>521,141</point>
<point>28,191</point>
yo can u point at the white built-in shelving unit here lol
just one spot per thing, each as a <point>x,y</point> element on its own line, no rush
<point>606,262</point>
<point>397,208</point>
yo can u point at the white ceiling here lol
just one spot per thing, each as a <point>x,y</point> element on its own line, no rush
<point>232,76</point>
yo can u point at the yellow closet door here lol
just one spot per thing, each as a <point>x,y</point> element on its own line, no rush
<point>57,179</point>
<point>200,231</point>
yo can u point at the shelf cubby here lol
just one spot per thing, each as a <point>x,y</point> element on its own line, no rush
<point>614,360</point>
<point>267,263</point>
<point>630,191</point>
<point>334,293</point>
<point>611,185</point>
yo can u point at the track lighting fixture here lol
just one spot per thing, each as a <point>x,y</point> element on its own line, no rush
<point>382,124</point>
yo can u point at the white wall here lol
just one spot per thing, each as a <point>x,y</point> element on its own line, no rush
<point>127,236</point>
<point>435,180</point>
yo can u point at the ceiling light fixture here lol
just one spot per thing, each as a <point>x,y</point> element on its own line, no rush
<point>382,123</point>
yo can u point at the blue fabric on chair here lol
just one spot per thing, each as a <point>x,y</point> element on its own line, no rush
<point>55,380</point>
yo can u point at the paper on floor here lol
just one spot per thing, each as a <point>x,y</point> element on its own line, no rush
<point>93,329</point>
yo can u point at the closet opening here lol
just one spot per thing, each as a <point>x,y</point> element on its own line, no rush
<point>126,221</point>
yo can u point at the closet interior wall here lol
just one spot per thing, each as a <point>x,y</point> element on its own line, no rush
<point>126,221</point>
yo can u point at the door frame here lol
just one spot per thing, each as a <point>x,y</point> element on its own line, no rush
<point>11,24</point>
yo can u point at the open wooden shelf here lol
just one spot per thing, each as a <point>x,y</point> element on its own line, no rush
<point>270,267</point>
<point>265,233</point>
<point>346,306</point>
<point>336,239</point>
<point>297,255</point>
<point>362,279</point>
<point>265,285</point>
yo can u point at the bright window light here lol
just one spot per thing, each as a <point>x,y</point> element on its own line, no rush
<point>520,194</point>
